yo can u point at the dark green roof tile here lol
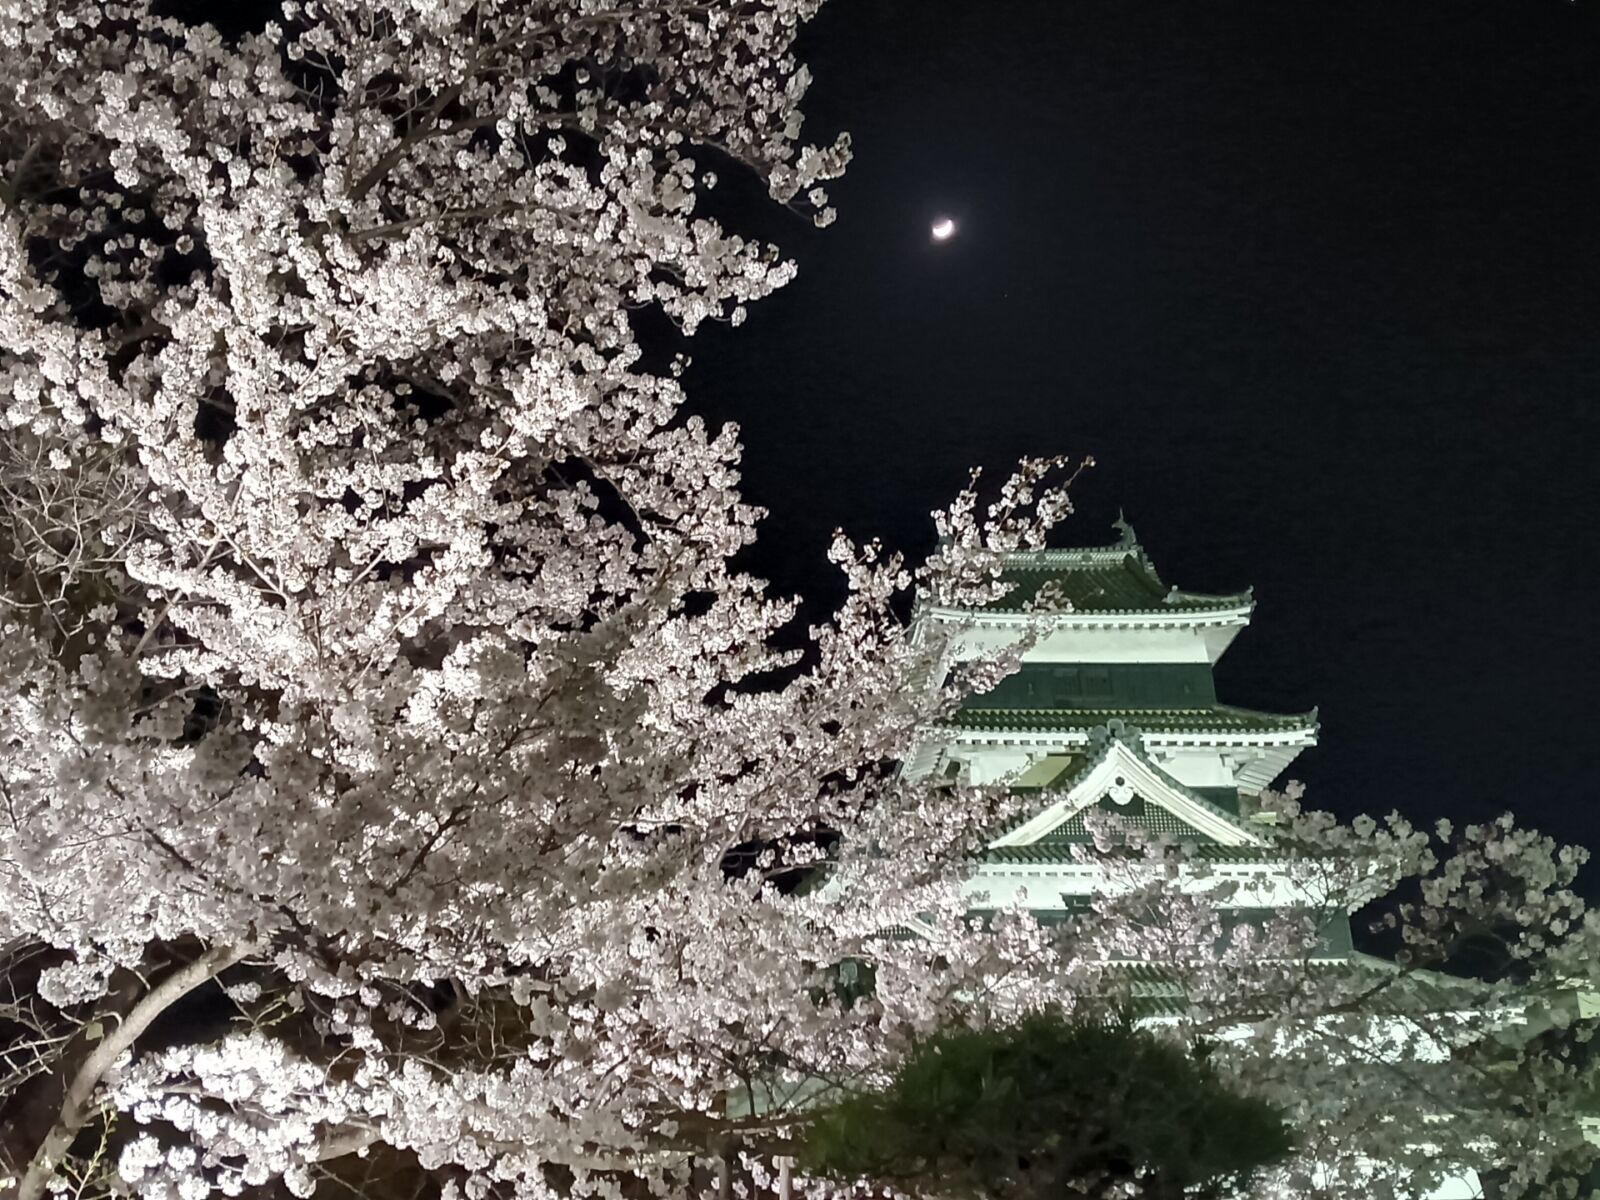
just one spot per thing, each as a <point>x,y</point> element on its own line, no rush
<point>1103,580</point>
<point>1056,845</point>
<point>1060,851</point>
<point>1219,718</point>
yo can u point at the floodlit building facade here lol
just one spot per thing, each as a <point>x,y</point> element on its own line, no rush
<point>1115,708</point>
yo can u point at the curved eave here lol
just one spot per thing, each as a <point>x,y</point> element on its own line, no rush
<point>1262,880</point>
<point>1225,611</point>
<point>1297,730</point>
<point>1061,854</point>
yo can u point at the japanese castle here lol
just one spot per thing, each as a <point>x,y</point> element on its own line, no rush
<point>1115,708</point>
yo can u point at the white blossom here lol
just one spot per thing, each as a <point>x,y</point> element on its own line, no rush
<point>374,674</point>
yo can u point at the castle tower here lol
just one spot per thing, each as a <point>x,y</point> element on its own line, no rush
<point>1115,708</point>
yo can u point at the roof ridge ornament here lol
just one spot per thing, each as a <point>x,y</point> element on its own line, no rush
<point>1128,538</point>
<point>1116,730</point>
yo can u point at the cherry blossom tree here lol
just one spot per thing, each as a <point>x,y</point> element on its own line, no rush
<point>396,773</point>
<point>380,704</point>
<point>1456,1056</point>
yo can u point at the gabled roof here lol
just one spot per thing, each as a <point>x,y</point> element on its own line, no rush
<point>1118,769</point>
<point>1104,580</point>
<point>1095,592</point>
<point>1114,579</point>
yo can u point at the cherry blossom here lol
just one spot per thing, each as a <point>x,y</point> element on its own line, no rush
<point>380,704</point>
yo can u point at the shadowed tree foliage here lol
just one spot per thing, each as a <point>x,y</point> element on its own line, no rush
<point>1050,1109</point>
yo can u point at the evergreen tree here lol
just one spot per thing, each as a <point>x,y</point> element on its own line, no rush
<point>1052,1108</point>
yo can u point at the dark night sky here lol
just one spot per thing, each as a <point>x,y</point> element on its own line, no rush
<point>1317,284</point>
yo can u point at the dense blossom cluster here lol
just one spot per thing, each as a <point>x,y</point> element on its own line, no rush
<point>1461,1055</point>
<point>384,731</point>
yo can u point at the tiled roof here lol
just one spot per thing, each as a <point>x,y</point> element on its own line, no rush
<point>1116,579</point>
<point>1152,818</point>
<point>1334,937</point>
<point>1056,845</point>
<point>1060,850</point>
<point>1219,718</point>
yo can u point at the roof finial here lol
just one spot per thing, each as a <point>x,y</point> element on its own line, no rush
<point>1121,526</point>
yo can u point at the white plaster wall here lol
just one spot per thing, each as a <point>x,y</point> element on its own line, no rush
<point>1461,1187</point>
<point>994,764</point>
<point>1200,767</point>
<point>1197,768</point>
<point>1068,645</point>
<point>1457,1187</point>
<point>1002,885</point>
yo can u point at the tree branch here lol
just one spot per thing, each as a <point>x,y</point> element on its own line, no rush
<point>76,1107</point>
